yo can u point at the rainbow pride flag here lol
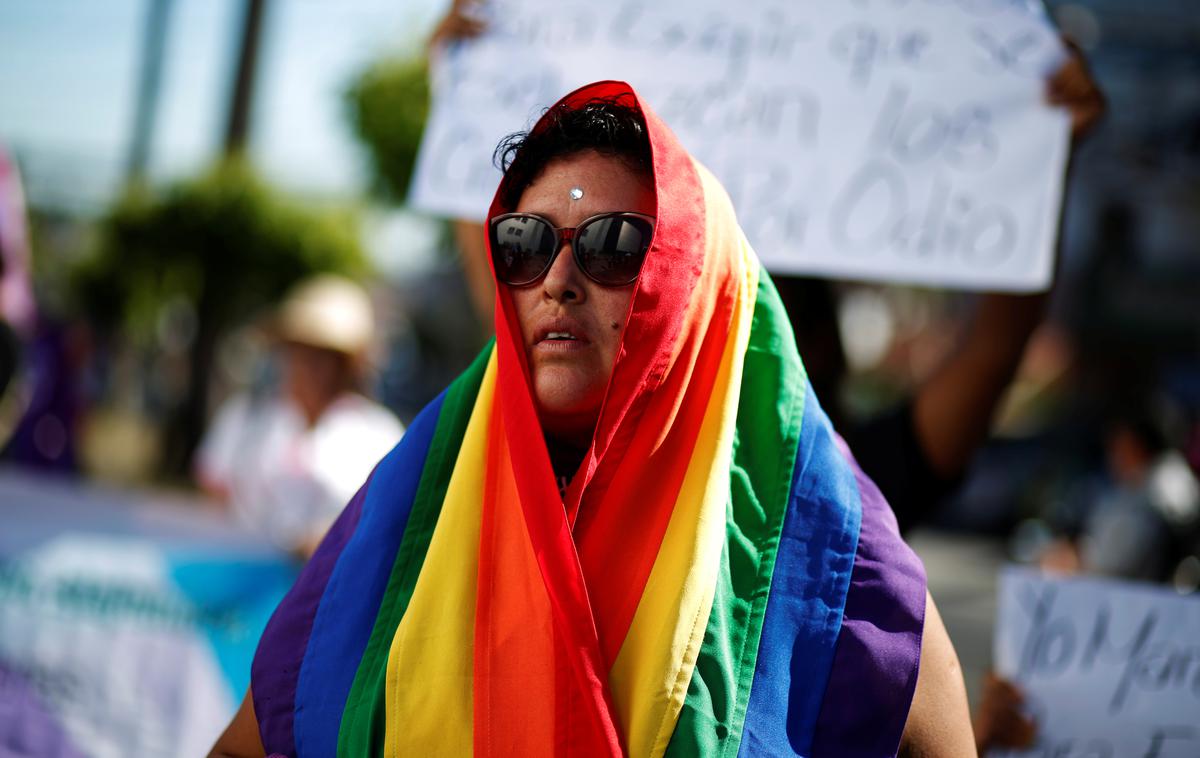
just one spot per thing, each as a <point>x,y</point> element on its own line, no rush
<point>719,578</point>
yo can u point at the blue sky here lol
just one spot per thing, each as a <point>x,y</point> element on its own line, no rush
<point>69,72</point>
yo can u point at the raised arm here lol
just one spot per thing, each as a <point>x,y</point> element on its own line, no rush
<point>459,22</point>
<point>953,409</point>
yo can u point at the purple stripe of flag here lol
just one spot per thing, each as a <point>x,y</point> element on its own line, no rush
<point>281,648</point>
<point>878,653</point>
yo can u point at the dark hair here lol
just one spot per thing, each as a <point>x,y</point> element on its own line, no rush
<point>1153,423</point>
<point>609,125</point>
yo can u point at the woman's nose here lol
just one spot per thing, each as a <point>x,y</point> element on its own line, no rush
<point>564,281</point>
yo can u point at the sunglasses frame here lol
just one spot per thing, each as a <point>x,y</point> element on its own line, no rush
<point>564,235</point>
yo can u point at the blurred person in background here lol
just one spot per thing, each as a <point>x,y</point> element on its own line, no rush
<point>17,311</point>
<point>1147,522</point>
<point>287,462</point>
<point>1144,519</point>
<point>41,362</point>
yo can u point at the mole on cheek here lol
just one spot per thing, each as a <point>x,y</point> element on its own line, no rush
<point>615,325</point>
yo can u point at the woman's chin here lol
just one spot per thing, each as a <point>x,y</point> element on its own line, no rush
<point>568,404</point>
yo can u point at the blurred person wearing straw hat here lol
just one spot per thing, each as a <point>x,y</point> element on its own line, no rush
<point>287,462</point>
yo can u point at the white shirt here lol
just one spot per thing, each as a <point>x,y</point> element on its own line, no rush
<point>286,480</point>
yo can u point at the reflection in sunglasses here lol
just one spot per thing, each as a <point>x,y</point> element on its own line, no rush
<point>608,248</point>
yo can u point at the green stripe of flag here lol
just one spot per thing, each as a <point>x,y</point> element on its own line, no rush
<point>770,408</point>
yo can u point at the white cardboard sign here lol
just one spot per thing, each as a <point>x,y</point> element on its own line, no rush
<point>1110,669</point>
<point>893,140</point>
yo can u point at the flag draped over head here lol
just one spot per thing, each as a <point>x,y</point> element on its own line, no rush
<point>719,578</point>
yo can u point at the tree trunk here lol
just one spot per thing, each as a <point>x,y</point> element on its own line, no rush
<point>242,100</point>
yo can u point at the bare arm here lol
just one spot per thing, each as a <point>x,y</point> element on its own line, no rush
<point>939,721</point>
<point>953,409</point>
<point>240,739</point>
<point>472,247</point>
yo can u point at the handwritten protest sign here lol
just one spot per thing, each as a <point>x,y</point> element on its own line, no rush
<point>901,140</point>
<point>1110,669</point>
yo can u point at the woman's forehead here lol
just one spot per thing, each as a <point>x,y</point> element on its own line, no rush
<point>584,183</point>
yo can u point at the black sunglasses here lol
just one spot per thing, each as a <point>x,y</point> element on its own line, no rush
<point>608,248</point>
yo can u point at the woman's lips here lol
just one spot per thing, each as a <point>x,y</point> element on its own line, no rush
<point>561,344</point>
<point>560,335</point>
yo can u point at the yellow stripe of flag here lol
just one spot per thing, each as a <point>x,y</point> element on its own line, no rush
<point>430,664</point>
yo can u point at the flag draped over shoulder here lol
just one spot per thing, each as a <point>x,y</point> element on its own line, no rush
<point>718,579</point>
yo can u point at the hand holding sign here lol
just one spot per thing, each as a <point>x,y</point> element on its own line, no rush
<point>1073,88</point>
<point>461,21</point>
<point>1000,720</point>
<point>1109,669</point>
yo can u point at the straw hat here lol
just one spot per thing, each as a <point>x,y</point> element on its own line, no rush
<point>327,311</point>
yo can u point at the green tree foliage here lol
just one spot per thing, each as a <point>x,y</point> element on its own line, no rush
<point>225,242</point>
<point>388,103</point>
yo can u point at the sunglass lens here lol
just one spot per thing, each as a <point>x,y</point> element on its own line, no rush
<point>611,248</point>
<point>521,248</point>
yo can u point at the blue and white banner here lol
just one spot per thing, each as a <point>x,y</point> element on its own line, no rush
<point>126,628</point>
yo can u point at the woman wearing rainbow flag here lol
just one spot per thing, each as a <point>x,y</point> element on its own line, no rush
<point>628,528</point>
